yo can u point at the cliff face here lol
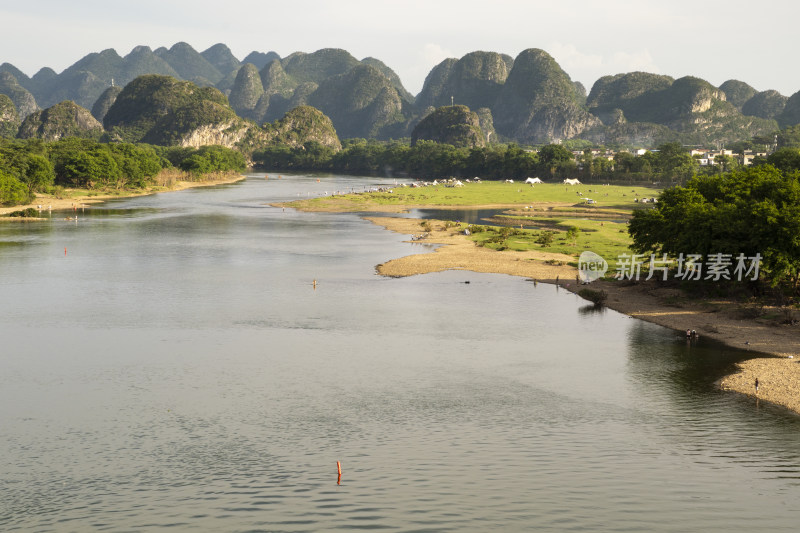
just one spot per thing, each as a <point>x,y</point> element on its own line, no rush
<point>221,58</point>
<point>104,103</point>
<point>434,84</point>
<point>246,92</point>
<point>189,63</point>
<point>475,80</point>
<point>637,106</point>
<point>319,65</point>
<point>9,118</point>
<point>539,102</point>
<point>361,102</point>
<point>391,75</point>
<point>627,93</point>
<point>301,125</point>
<point>737,92</point>
<point>85,80</point>
<point>163,110</point>
<point>791,111</point>
<point>455,125</point>
<point>66,119</point>
<point>260,59</point>
<point>23,100</point>
<point>766,104</point>
<point>275,80</point>
<point>229,134</point>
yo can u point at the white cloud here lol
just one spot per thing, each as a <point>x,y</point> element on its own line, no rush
<point>432,54</point>
<point>414,67</point>
<point>629,62</point>
<point>571,59</point>
<point>587,67</point>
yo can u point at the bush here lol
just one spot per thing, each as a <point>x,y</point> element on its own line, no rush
<point>12,191</point>
<point>546,238</point>
<point>25,213</point>
<point>598,298</point>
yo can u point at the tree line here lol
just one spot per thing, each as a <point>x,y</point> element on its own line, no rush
<point>429,160</point>
<point>31,166</point>
<point>754,211</point>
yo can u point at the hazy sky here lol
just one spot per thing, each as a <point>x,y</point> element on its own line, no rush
<point>713,39</point>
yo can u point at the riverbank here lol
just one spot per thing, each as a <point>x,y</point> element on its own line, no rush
<point>72,200</point>
<point>719,319</point>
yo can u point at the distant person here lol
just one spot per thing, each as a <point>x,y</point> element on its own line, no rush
<point>756,384</point>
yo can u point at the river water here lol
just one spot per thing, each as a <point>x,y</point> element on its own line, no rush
<point>166,363</point>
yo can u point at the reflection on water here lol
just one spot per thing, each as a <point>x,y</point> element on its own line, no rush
<point>468,216</point>
<point>178,369</point>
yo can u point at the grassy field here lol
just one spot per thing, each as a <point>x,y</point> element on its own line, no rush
<point>490,193</point>
<point>608,239</point>
<point>532,212</point>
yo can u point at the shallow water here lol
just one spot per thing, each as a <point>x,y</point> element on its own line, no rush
<point>177,368</point>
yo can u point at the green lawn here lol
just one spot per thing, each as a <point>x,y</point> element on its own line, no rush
<point>616,197</point>
<point>605,238</point>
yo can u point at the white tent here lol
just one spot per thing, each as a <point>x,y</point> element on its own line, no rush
<point>533,180</point>
<point>572,182</point>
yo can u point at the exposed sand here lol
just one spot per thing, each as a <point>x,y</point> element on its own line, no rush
<point>459,253</point>
<point>49,202</point>
<point>725,321</point>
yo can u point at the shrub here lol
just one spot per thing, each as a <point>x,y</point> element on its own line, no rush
<point>598,298</point>
<point>545,238</point>
<point>25,213</point>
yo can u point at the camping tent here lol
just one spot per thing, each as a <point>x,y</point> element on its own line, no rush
<point>533,180</point>
<point>572,182</point>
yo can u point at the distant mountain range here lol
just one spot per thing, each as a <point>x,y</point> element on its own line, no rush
<point>529,99</point>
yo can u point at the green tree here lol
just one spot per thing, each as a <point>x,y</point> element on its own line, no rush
<point>39,173</point>
<point>91,168</point>
<point>751,211</point>
<point>213,158</point>
<point>624,162</point>
<point>572,234</point>
<point>785,159</point>
<point>137,163</point>
<point>12,191</point>
<point>553,157</point>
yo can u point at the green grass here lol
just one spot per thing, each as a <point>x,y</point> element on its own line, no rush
<point>611,197</point>
<point>608,240</point>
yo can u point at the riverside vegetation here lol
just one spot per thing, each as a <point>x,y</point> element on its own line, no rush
<point>34,166</point>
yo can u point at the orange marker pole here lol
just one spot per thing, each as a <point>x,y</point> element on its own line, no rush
<point>339,467</point>
<point>65,250</point>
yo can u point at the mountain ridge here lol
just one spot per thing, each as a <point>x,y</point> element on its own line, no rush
<point>529,99</point>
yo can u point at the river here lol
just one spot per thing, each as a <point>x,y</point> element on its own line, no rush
<point>168,363</point>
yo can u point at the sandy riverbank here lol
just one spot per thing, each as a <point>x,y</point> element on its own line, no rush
<point>68,202</point>
<point>725,321</point>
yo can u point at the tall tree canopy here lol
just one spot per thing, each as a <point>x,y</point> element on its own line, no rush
<point>749,211</point>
